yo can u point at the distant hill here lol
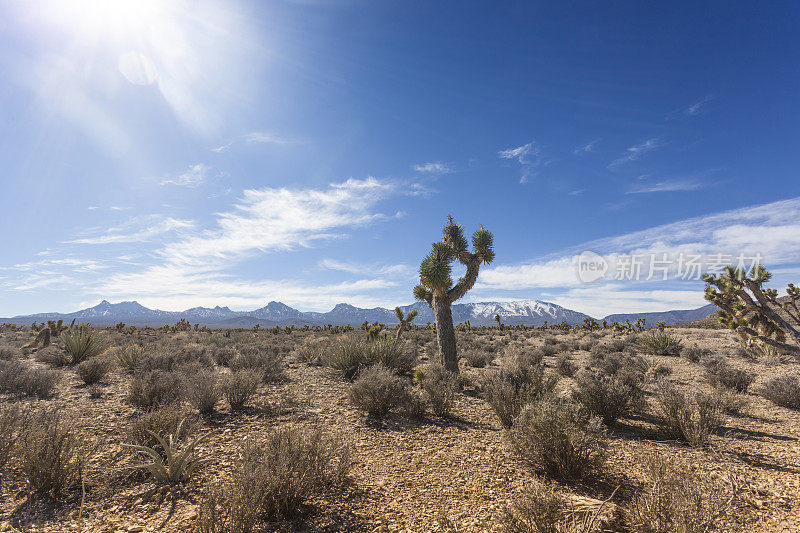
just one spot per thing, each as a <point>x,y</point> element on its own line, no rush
<point>670,318</point>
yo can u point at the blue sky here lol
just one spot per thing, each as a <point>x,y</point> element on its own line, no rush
<point>208,152</point>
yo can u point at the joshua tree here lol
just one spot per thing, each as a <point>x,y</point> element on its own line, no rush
<point>499,324</point>
<point>436,286</point>
<point>403,322</point>
<point>752,311</point>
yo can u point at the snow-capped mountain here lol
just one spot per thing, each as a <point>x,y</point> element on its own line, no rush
<point>512,312</point>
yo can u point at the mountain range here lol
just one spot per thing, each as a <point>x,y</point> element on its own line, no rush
<point>515,312</point>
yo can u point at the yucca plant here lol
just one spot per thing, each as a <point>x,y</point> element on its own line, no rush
<point>659,342</point>
<point>175,464</point>
<point>129,357</point>
<point>81,343</point>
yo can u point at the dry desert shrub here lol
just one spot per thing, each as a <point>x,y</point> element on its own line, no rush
<point>722,375</point>
<point>239,386</point>
<point>93,370</point>
<point>202,391</point>
<point>269,365</point>
<point>608,396</point>
<point>377,390</point>
<point>477,358</point>
<point>689,417</point>
<point>439,386</point>
<point>273,478</point>
<point>12,420</point>
<point>559,438</point>
<point>783,391</point>
<point>677,499</point>
<point>515,385</point>
<point>50,453</point>
<point>155,388</point>
<point>566,365</point>
<point>695,353</point>
<point>17,377</point>
<point>8,352</point>
<point>162,420</point>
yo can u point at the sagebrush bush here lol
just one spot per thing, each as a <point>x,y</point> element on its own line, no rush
<point>239,386</point>
<point>476,358</point>
<point>53,356</point>
<point>269,365</point>
<point>783,391</point>
<point>50,453</point>
<point>566,365</point>
<point>169,360</point>
<point>8,352</point>
<point>689,417</point>
<point>720,374</point>
<point>202,391</point>
<point>515,385</point>
<point>273,478</point>
<point>162,420</point>
<point>677,499</point>
<point>156,387</point>
<point>439,386</point>
<point>222,355</point>
<point>558,438</point>
<point>607,396</point>
<point>694,353</point>
<point>92,370</point>
<point>414,404</point>
<point>660,342</point>
<point>81,343</point>
<point>377,390</point>
<point>17,377</point>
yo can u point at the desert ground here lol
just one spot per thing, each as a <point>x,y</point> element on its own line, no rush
<point>299,451</point>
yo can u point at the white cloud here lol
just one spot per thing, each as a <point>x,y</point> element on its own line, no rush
<point>586,148</point>
<point>667,186</point>
<point>433,168</point>
<point>529,156</point>
<point>194,176</point>
<point>636,152</point>
<point>137,229</point>
<point>691,110</point>
<point>254,137</point>
<point>400,270</point>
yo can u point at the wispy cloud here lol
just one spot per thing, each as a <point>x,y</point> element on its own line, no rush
<point>194,176</point>
<point>137,229</point>
<point>433,168</point>
<point>667,186</point>
<point>529,156</point>
<point>636,152</point>
<point>401,270</point>
<point>586,148</point>
<point>690,110</point>
<point>254,137</point>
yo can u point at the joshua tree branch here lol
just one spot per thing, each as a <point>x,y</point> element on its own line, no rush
<point>467,281</point>
<point>792,348</point>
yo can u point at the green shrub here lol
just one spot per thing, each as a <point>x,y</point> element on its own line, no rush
<point>352,354</point>
<point>239,386</point>
<point>660,342</point>
<point>690,418</point>
<point>377,390</point>
<point>558,438</point>
<point>81,343</point>
<point>92,370</point>
<point>50,453</point>
<point>783,391</point>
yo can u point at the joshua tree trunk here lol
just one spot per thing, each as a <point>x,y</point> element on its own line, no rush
<point>445,333</point>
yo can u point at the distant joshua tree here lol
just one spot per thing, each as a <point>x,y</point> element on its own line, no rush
<point>436,284</point>
<point>403,322</point>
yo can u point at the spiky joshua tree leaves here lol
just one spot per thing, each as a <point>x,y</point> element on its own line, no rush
<point>752,311</point>
<point>436,284</point>
<point>404,321</point>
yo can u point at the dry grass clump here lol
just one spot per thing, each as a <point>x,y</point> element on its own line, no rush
<point>50,453</point>
<point>377,390</point>
<point>273,478</point>
<point>155,387</point>
<point>608,396</point>
<point>540,509</point>
<point>93,370</point>
<point>722,375</point>
<point>515,385</point>
<point>439,387</point>
<point>558,438</point>
<point>677,499</point>
<point>783,391</point>
<point>12,418</point>
<point>688,417</point>
<point>239,386</point>
<point>352,354</point>
<point>162,420</point>
<point>660,342</point>
<point>695,353</point>
<point>17,377</point>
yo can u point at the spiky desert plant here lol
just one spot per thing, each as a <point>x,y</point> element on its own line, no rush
<point>752,311</point>
<point>175,464</point>
<point>81,343</point>
<point>404,321</point>
<point>436,284</point>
